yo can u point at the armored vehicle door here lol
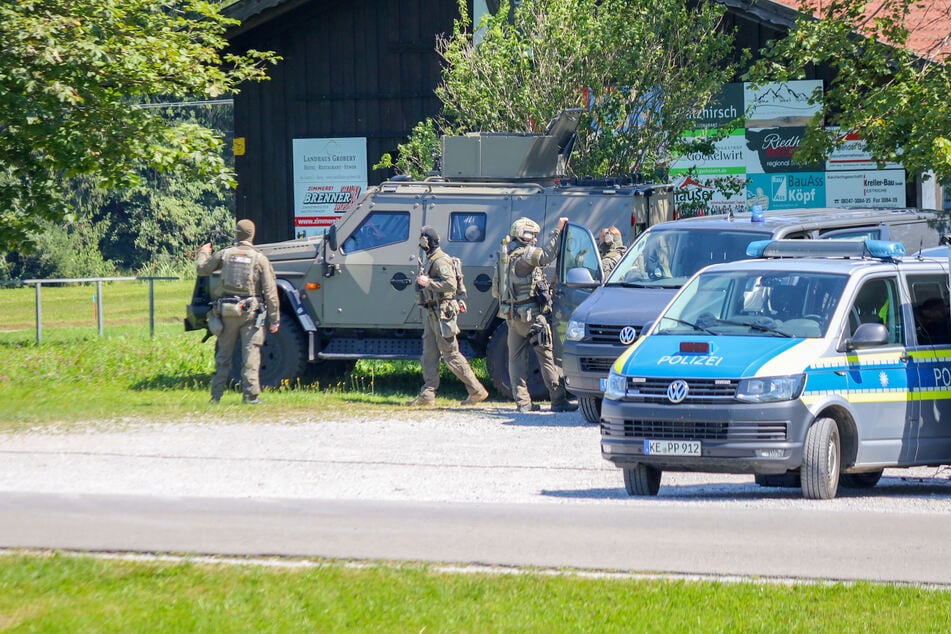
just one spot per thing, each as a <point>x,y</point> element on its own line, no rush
<point>470,228</point>
<point>375,268</point>
<point>578,272</point>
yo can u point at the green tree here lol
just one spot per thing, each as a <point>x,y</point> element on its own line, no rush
<point>74,77</point>
<point>639,68</point>
<point>893,98</point>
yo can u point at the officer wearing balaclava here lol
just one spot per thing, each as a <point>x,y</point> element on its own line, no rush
<point>246,297</point>
<point>436,289</point>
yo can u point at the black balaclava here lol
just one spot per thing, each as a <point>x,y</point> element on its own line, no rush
<point>428,240</point>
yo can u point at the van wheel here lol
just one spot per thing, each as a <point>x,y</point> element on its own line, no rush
<point>820,461</point>
<point>860,480</point>
<point>497,365</point>
<point>283,356</point>
<point>642,480</point>
<point>590,406</point>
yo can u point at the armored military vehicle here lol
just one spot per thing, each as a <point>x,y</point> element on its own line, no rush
<point>350,294</point>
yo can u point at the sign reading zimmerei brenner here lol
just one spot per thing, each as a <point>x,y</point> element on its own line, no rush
<point>329,176</point>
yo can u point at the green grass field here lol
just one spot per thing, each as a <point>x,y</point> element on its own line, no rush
<point>77,375</point>
<point>58,593</point>
<point>78,378</point>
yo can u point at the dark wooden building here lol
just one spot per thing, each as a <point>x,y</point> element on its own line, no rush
<point>362,68</point>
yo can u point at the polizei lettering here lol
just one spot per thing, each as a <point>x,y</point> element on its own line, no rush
<point>678,359</point>
<point>335,198</point>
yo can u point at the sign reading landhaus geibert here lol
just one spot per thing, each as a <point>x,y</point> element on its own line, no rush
<point>329,176</point>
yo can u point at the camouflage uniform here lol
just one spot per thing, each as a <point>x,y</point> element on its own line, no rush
<point>248,284</point>
<point>526,319</point>
<point>440,310</point>
<point>611,249</point>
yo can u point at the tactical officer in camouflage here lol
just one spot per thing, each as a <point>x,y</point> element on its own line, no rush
<point>611,248</point>
<point>436,288</point>
<point>246,295</point>
<point>524,302</point>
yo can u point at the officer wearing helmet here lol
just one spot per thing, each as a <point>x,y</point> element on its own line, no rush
<point>436,289</point>
<point>524,302</point>
<point>247,294</point>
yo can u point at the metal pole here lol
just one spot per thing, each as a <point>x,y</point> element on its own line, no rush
<point>39,315</point>
<point>151,307</point>
<point>99,305</point>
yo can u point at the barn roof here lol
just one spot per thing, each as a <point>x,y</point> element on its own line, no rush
<point>929,22</point>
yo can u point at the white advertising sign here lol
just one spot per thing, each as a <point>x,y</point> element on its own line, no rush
<point>880,188</point>
<point>782,104</point>
<point>852,156</point>
<point>329,176</point>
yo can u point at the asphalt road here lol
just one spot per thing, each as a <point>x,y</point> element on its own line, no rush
<point>708,542</point>
<point>482,487</point>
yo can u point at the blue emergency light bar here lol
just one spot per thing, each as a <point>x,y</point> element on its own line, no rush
<point>879,249</point>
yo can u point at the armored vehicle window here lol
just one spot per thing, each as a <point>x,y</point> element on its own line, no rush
<point>466,227</point>
<point>378,229</point>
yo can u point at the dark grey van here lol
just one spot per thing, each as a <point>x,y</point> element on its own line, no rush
<point>664,257</point>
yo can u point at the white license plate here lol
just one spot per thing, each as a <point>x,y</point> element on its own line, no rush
<point>672,447</point>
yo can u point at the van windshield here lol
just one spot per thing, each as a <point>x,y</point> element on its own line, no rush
<point>667,258</point>
<point>754,303</point>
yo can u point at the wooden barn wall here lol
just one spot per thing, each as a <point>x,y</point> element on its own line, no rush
<point>363,68</point>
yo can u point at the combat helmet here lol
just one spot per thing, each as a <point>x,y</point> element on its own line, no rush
<point>524,230</point>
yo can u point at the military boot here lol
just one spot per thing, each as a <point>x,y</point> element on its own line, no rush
<point>564,406</point>
<point>478,397</point>
<point>422,401</point>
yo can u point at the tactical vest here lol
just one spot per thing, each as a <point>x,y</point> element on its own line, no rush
<point>522,287</point>
<point>610,259</point>
<point>516,293</point>
<point>239,271</point>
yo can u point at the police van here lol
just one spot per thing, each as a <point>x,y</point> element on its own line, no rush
<point>815,364</point>
<point>667,254</point>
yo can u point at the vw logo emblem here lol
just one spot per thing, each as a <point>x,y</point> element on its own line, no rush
<point>628,335</point>
<point>677,391</point>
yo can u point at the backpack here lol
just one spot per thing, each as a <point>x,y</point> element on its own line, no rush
<point>239,272</point>
<point>461,292</point>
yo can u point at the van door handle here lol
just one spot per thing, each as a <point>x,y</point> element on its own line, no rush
<point>905,357</point>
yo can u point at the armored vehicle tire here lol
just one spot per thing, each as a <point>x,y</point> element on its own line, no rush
<point>642,480</point>
<point>820,460</point>
<point>860,480</point>
<point>590,406</point>
<point>790,479</point>
<point>283,356</point>
<point>497,365</point>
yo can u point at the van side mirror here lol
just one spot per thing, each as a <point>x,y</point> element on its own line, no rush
<point>580,278</point>
<point>330,235</point>
<point>868,336</point>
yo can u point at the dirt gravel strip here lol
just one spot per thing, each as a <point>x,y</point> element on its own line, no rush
<point>487,454</point>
